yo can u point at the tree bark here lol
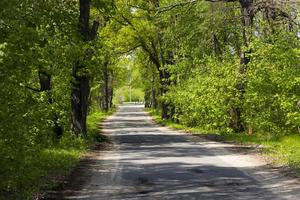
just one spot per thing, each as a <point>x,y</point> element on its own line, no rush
<point>236,122</point>
<point>106,87</point>
<point>153,94</point>
<point>84,17</point>
<point>80,96</point>
<point>81,83</point>
<point>111,91</point>
<point>164,77</point>
<point>147,98</point>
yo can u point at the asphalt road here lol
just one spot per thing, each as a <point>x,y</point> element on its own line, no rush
<point>152,162</point>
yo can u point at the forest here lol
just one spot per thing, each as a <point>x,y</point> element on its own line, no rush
<point>228,67</point>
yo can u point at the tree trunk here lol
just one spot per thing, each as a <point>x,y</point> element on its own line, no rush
<point>164,110</point>
<point>80,99</point>
<point>236,122</point>
<point>84,18</point>
<point>81,83</point>
<point>147,98</point>
<point>153,94</point>
<point>106,89</point>
<point>111,91</point>
<point>111,95</point>
<point>164,83</point>
<point>247,20</point>
<point>153,99</point>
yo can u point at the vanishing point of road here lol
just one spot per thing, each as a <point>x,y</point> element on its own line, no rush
<point>150,162</point>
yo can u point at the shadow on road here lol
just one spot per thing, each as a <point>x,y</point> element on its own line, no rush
<point>150,162</point>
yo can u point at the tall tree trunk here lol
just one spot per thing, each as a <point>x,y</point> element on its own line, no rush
<point>84,17</point>
<point>164,84</point>
<point>81,83</point>
<point>247,20</point>
<point>164,75</point>
<point>111,95</point>
<point>106,87</point>
<point>236,121</point>
<point>80,97</point>
<point>111,91</point>
<point>153,94</point>
<point>147,98</point>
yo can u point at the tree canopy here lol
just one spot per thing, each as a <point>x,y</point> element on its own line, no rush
<point>222,65</point>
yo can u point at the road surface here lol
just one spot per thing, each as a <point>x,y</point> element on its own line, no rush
<point>151,162</point>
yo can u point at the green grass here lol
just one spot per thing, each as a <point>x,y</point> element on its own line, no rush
<point>282,150</point>
<point>93,124</point>
<point>37,170</point>
<point>43,168</point>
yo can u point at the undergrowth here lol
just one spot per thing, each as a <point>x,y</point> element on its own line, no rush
<point>42,169</point>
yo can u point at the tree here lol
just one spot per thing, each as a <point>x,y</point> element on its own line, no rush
<point>81,82</point>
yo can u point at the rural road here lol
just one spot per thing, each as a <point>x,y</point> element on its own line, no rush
<point>152,162</point>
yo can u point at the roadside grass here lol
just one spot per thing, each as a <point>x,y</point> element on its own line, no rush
<point>42,169</point>
<point>59,160</point>
<point>94,125</point>
<point>282,150</point>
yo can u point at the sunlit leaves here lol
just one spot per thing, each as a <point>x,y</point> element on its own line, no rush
<point>273,85</point>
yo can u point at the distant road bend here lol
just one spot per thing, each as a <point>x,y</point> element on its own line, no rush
<point>152,162</point>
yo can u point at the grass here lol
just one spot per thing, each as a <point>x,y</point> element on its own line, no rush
<point>37,170</point>
<point>282,150</point>
<point>93,125</point>
<point>42,169</point>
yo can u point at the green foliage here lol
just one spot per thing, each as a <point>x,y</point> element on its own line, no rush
<point>29,169</point>
<point>37,38</point>
<point>205,98</point>
<point>187,56</point>
<point>273,84</point>
<point>272,89</point>
<point>123,95</point>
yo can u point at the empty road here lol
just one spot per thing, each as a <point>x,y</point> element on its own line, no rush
<point>152,162</point>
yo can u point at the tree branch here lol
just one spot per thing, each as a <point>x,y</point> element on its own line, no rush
<point>128,50</point>
<point>93,31</point>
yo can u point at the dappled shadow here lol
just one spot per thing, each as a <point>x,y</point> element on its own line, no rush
<point>149,162</point>
<point>176,180</point>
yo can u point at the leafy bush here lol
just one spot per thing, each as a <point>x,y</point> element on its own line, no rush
<point>205,98</point>
<point>273,86</point>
